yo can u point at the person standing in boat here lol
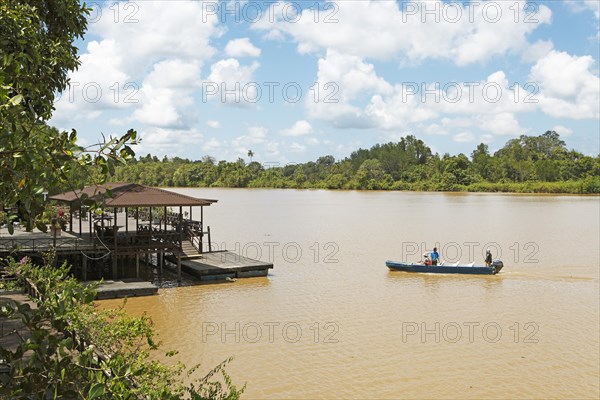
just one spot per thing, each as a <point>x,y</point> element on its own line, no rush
<point>488,257</point>
<point>435,256</point>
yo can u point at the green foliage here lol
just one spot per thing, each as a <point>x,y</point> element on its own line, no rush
<point>36,56</point>
<point>78,351</point>
<point>528,164</point>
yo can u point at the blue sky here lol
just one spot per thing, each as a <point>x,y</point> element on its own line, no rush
<point>293,81</point>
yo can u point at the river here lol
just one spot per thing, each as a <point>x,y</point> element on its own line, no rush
<point>330,320</point>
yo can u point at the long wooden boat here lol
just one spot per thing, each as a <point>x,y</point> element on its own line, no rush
<point>446,269</point>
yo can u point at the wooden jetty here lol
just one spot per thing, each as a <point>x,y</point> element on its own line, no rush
<point>221,265</point>
<point>113,245</point>
<point>125,288</point>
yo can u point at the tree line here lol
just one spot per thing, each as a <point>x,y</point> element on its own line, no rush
<point>527,164</point>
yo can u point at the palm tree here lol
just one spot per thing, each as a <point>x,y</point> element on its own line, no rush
<point>250,154</point>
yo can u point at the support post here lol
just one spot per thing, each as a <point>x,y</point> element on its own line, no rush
<point>179,267</point>
<point>115,271</point>
<point>201,229</point>
<point>84,264</point>
<point>180,224</point>
<point>209,244</point>
<point>137,265</point>
<point>160,266</point>
<point>115,229</point>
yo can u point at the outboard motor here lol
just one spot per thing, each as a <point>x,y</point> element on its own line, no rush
<point>497,264</point>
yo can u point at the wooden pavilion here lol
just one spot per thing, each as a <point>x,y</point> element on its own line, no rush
<point>140,232</point>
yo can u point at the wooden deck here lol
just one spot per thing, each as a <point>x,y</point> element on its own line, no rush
<point>91,260</point>
<point>39,242</point>
<point>221,265</point>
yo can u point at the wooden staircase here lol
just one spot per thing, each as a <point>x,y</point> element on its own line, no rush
<point>189,251</point>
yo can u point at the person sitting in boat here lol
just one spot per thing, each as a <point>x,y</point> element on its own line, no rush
<point>435,256</point>
<point>426,259</point>
<point>488,257</point>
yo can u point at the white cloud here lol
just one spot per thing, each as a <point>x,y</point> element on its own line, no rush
<point>211,145</point>
<point>585,5</point>
<point>161,32</point>
<point>560,74</point>
<point>486,138</point>
<point>300,128</point>
<point>568,88</point>
<point>433,129</point>
<point>175,73</point>
<point>256,135</point>
<point>469,103</point>
<point>241,48</point>
<point>232,83</point>
<point>230,71</point>
<point>463,137</point>
<point>594,6</point>
<point>297,148</point>
<point>537,50</point>
<point>167,141</point>
<point>158,108</point>
<point>340,80</point>
<point>213,124</point>
<point>460,33</point>
<point>397,111</point>
<point>501,124</point>
<point>273,149</point>
<point>562,130</point>
<point>144,57</point>
<point>166,95</point>
<point>99,84</point>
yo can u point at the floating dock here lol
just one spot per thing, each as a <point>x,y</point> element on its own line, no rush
<point>220,265</point>
<point>125,288</point>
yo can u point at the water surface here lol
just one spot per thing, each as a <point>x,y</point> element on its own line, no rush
<point>331,321</point>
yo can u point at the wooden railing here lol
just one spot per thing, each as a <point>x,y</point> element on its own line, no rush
<point>194,234</point>
<point>42,244</point>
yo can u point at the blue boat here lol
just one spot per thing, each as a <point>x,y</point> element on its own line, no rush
<point>446,269</point>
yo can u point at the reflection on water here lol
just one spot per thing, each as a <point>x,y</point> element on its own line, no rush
<point>331,321</point>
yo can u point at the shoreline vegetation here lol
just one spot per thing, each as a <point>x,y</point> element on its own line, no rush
<point>72,349</point>
<point>527,164</point>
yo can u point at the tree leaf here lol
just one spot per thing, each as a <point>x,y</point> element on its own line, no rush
<point>16,100</point>
<point>96,391</point>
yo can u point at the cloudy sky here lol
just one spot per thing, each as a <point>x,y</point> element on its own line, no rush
<point>296,80</point>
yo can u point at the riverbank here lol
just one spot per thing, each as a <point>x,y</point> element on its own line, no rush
<point>581,187</point>
<point>528,164</point>
<point>550,188</point>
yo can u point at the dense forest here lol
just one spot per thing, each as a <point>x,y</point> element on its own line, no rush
<point>527,164</point>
